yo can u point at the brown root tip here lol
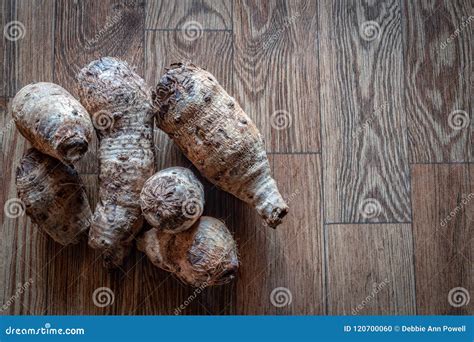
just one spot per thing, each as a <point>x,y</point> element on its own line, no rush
<point>269,203</point>
<point>276,216</point>
<point>73,149</point>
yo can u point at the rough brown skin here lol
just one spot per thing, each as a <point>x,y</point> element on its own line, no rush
<point>204,255</point>
<point>119,103</point>
<point>54,197</point>
<point>217,137</point>
<point>53,121</point>
<point>172,200</point>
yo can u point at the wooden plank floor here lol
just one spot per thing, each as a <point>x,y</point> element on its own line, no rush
<point>366,111</point>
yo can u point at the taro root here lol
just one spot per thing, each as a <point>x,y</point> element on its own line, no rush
<point>218,137</point>
<point>119,103</point>
<point>53,121</point>
<point>172,200</point>
<point>54,197</point>
<point>204,255</point>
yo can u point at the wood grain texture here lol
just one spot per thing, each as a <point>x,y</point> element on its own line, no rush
<point>288,261</point>
<point>376,95</point>
<point>438,60</point>
<point>23,246</point>
<point>443,203</point>
<point>27,43</point>
<point>363,117</point>
<point>189,14</point>
<point>87,30</point>
<point>276,71</point>
<point>370,269</point>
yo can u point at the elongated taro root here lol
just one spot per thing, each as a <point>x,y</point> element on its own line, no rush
<point>217,137</point>
<point>204,255</point>
<point>54,197</point>
<point>119,103</point>
<point>53,121</point>
<point>172,200</point>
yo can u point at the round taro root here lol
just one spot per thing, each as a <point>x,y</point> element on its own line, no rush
<point>204,255</point>
<point>53,121</point>
<point>172,200</point>
<point>218,137</point>
<point>54,197</point>
<point>119,103</point>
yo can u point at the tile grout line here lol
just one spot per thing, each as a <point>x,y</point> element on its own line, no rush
<point>403,24</point>
<point>234,293</point>
<point>362,223</point>
<point>181,30</point>
<point>325,252</point>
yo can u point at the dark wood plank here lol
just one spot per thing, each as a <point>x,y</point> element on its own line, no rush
<point>287,262</point>
<point>366,173</point>
<point>276,71</point>
<point>22,245</point>
<point>189,14</point>
<point>87,30</point>
<point>443,204</point>
<point>27,43</point>
<point>370,269</point>
<point>438,61</point>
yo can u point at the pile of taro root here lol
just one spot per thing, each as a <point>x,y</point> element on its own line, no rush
<point>115,103</point>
